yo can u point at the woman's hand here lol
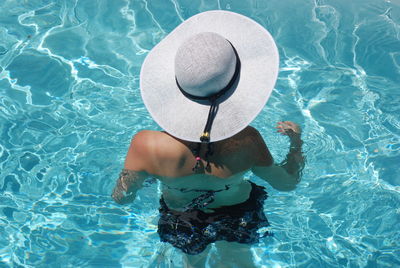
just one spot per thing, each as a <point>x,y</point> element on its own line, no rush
<point>289,128</point>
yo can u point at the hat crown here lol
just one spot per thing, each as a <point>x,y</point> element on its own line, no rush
<point>204,64</point>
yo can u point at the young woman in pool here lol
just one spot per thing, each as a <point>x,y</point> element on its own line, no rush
<point>203,84</point>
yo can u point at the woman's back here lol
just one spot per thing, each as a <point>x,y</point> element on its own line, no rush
<point>172,160</point>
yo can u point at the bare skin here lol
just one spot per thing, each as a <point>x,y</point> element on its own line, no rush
<point>170,160</point>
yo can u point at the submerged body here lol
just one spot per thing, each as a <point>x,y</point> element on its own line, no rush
<point>217,193</point>
<point>170,160</point>
<point>177,193</point>
<point>229,162</point>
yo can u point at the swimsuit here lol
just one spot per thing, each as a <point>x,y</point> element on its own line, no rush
<point>193,229</point>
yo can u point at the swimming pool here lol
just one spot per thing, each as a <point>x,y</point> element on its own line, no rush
<point>69,104</point>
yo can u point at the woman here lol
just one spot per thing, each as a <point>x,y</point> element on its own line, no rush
<point>203,84</point>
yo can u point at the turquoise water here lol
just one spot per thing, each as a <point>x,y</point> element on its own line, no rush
<point>69,104</point>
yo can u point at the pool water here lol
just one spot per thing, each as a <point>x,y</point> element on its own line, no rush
<point>70,103</point>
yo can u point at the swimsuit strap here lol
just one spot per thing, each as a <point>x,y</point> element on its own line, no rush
<point>186,190</point>
<point>208,153</point>
<point>199,202</point>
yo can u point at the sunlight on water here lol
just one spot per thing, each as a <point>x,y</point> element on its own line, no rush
<point>69,104</point>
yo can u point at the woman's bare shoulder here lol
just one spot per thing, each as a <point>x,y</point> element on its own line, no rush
<point>145,136</point>
<point>157,143</point>
<point>250,140</point>
<point>249,135</point>
<point>155,152</point>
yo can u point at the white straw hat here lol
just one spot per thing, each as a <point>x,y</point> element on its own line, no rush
<point>208,53</point>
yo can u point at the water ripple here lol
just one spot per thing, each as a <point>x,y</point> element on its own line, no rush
<point>70,103</point>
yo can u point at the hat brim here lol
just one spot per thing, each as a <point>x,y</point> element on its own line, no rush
<point>185,118</point>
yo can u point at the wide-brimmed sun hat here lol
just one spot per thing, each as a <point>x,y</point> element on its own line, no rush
<point>210,76</point>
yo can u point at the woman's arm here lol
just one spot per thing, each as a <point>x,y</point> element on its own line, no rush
<point>133,175</point>
<point>284,176</point>
<point>128,183</point>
